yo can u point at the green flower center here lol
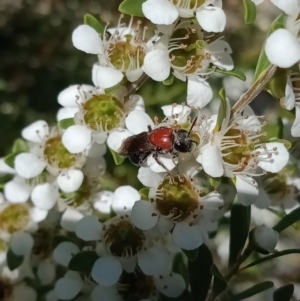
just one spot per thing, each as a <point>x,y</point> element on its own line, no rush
<point>103,112</point>
<point>135,286</point>
<point>240,152</point>
<point>189,53</point>
<point>177,197</point>
<point>123,238</point>
<point>57,155</point>
<point>126,55</point>
<point>80,196</point>
<point>14,218</point>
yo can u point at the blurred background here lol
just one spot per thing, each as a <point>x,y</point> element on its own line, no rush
<point>37,61</point>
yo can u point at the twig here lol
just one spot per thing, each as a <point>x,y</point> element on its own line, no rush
<point>133,87</point>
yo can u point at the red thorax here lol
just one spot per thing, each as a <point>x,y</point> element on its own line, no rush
<point>162,138</point>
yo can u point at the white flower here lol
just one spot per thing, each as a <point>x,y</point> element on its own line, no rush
<point>175,204</point>
<point>290,7</point>
<point>235,151</point>
<point>209,14</point>
<point>96,114</point>
<point>185,49</point>
<point>265,238</point>
<point>123,52</point>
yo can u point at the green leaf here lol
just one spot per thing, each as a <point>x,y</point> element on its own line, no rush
<point>94,23</point>
<point>214,182</point>
<point>180,267</point>
<point>199,273</point>
<point>65,123</point>
<point>280,128</point>
<point>263,63</point>
<point>288,220</point>
<point>249,11</point>
<point>254,290</point>
<point>132,7</point>
<point>278,83</point>
<point>144,193</point>
<point>239,228</point>
<point>235,72</point>
<point>191,254</point>
<point>10,159</point>
<point>169,80</point>
<point>271,256</point>
<point>20,146</point>
<point>13,260</point>
<point>222,110</point>
<point>83,261</point>
<point>219,283</point>
<point>284,293</point>
<point>117,158</point>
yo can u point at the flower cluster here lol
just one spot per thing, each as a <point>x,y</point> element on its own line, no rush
<point>65,237</point>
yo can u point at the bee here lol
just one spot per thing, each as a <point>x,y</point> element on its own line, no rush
<point>160,141</point>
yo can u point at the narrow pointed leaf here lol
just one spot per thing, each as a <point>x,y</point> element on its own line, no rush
<point>13,260</point>
<point>144,193</point>
<point>199,273</point>
<point>19,146</point>
<point>284,293</point>
<point>270,257</point>
<point>117,158</point>
<point>249,11</point>
<point>219,283</point>
<point>254,290</point>
<point>83,261</point>
<point>169,80</point>
<point>235,72</point>
<point>191,254</point>
<point>278,83</point>
<point>65,123</point>
<point>288,220</point>
<point>263,63</point>
<point>10,159</point>
<point>222,110</point>
<point>239,228</point>
<point>94,23</point>
<point>132,7</point>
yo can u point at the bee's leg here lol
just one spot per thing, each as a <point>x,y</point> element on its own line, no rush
<point>155,156</point>
<point>139,158</point>
<point>149,128</point>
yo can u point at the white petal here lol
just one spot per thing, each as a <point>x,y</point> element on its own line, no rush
<point>77,138</point>
<point>199,92</point>
<point>97,150</point>
<point>257,2</point>
<point>70,180</point>
<point>218,47</point>
<point>295,130</point>
<point>187,237</point>
<point>37,215</point>
<point>4,168</point>
<point>70,96</point>
<point>65,113</point>
<point>116,138</point>
<point>70,218</point>
<point>67,288</point>
<point>247,190</point>
<point>164,225</point>
<point>211,19</point>
<point>106,270</point>
<point>212,161</point>
<point>224,62</point>
<point>89,228</point>
<point>157,64</point>
<point>101,293</point>
<point>143,215</point>
<point>102,201</point>
<point>100,137</point>
<point>279,157</point>
<point>160,11</point>
<point>183,112</point>
<point>51,296</point>
<point>86,39</point>
<point>134,75</point>
<point>171,285</point>
<point>21,243</point>
<point>288,6</point>
<point>44,196</point>
<point>148,177</point>
<point>64,252</point>
<point>124,198</point>
<point>282,48</point>
<point>17,191</point>
<point>250,120</point>
<point>36,131</point>
<point>46,271</point>
<point>28,165</point>
<point>128,263</point>
<point>263,200</point>
<point>153,261</point>
<point>266,238</point>
<point>138,121</point>
<point>213,205</point>
<point>289,95</point>
<point>106,77</point>
<point>166,160</point>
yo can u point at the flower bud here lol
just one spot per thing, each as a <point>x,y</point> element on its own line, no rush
<point>263,239</point>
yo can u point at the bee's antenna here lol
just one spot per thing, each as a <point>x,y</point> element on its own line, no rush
<point>192,125</point>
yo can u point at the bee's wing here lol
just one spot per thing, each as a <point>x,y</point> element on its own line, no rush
<point>136,143</point>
